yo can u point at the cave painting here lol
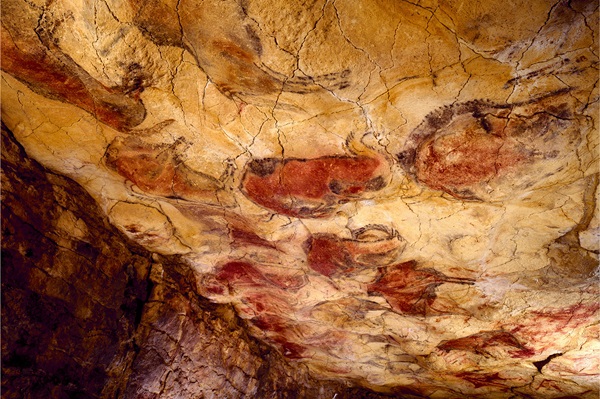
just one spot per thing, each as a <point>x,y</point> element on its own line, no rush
<point>468,149</point>
<point>310,187</point>
<point>369,247</point>
<point>33,57</point>
<point>403,198</point>
<point>156,170</point>
<point>412,291</point>
<point>484,342</point>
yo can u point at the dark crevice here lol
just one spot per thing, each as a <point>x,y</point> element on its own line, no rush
<point>539,365</point>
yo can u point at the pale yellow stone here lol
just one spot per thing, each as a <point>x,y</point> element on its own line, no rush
<point>146,224</point>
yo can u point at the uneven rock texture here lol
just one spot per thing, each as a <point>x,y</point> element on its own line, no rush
<point>397,195</point>
<point>72,288</point>
<point>89,314</point>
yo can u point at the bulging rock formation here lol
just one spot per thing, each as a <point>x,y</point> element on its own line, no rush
<point>321,199</point>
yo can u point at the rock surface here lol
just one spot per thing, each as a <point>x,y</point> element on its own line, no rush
<point>399,196</point>
<point>89,314</point>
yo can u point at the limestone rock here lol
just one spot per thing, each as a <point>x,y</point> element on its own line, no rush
<point>397,196</point>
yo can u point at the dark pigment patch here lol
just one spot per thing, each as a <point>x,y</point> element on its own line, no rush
<point>540,364</point>
<point>270,322</point>
<point>291,350</point>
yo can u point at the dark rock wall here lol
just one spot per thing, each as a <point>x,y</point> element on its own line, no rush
<point>88,314</point>
<point>70,301</point>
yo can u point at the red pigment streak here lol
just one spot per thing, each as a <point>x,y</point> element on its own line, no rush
<point>232,50</point>
<point>309,188</point>
<point>244,273</point>
<point>482,379</point>
<point>478,343</point>
<point>574,313</point>
<point>241,238</point>
<point>329,340</point>
<point>268,301</point>
<point>155,171</point>
<point>214,289</point>
<point>329,255</point>
<point>409,290</point>
<point>238,70</point>
<point>53,78</point>
<point>233,273</point>
<point>453,163</point>
<point>554,385</point>
<point>555,320</point>
<point>150,174</point>
<point>288,282</point>
<point>270,322</point>
<point>290,350</point>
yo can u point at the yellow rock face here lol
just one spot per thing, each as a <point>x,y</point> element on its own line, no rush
<point>401,195</point>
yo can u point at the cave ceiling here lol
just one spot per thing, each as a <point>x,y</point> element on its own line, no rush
<point>400,195</point>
